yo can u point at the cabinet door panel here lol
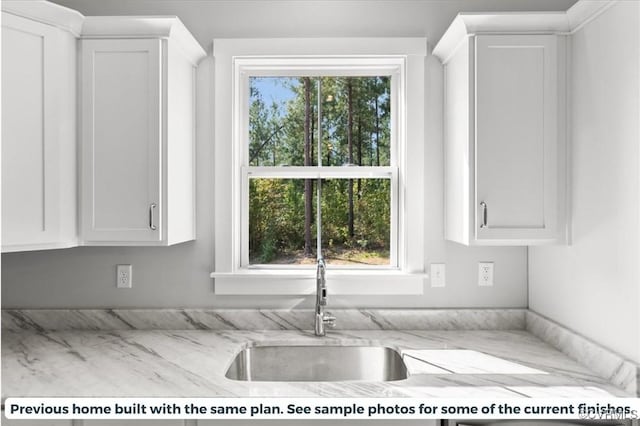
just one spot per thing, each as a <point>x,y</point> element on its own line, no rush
<point>516,135</point>
<point>121,140</point>
<point>29,140</point>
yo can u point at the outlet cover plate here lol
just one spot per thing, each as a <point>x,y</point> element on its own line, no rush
<point>438,275</point>
<point>485,274</point>
<point>123,276</point>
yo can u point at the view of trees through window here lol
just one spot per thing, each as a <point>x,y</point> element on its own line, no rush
<point>355,131</point>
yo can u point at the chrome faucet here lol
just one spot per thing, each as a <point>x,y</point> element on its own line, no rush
<point>322,318</point>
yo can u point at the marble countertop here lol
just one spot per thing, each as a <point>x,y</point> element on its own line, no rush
<point>192,363</point>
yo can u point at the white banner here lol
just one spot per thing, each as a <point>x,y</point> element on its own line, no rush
<point>320,408</point>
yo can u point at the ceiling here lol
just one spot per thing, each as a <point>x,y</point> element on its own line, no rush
<point>209,19</point>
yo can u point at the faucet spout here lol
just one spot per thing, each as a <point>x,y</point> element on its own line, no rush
<point>322,318</point>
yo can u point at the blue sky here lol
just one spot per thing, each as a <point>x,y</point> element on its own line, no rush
<point>274,88</point>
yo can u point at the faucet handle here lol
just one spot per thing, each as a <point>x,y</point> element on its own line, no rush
<point>329,319</point>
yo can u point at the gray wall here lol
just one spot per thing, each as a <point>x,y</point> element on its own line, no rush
<point>178,276</point>
<point>593,285</point>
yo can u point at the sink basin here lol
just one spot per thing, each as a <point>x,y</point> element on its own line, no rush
<point>317,364</point>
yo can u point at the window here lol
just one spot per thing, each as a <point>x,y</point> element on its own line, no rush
<point>323,140</point>
<point>318,166</point>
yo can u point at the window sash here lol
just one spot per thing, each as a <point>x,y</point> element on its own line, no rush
<point>325,66</point>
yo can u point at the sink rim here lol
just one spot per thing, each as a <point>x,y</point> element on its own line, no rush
<point>322,343</point>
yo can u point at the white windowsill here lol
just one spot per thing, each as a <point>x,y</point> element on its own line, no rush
<point>302,282</point>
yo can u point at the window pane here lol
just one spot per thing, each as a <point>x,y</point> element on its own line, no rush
<point>356,221</point>
<point>277,113</point>
<point>277,221</point>
<point>356,121</point>
<point>283,121</point>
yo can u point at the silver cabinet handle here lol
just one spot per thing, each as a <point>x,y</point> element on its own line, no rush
<point>152,225</point>
<point>484,223</point>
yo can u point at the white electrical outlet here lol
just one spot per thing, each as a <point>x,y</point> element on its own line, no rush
<point>123,276</point>
<point>438,272</point>
<point>485,274</point>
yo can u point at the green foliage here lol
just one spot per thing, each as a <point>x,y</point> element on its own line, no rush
<point>276,137</point>
<point>276,218</point>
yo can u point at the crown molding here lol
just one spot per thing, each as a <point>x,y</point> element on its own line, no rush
<point>469,24</point>
<point>86,27</point>
<point>561,23</point>
<point>47,13</point>
<point>167,27</point>
<point>583,12</point>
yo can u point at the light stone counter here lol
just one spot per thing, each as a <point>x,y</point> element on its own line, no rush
<point>192,363</point>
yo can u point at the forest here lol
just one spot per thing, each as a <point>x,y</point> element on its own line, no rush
<point>355,130</point>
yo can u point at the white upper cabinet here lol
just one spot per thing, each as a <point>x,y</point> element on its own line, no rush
<point>38,126</point>
<point>504,129</point>
<point>138,131</point>
<point>135,183</point>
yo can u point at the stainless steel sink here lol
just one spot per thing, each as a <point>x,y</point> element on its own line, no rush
<point>317,364</point>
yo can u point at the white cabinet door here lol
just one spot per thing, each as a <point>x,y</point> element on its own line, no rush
<point>516,108</point>
<point>38,136</point>
<point>504,143</point>
<point>121,140</point>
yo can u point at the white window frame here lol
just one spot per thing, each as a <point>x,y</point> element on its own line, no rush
<point>317,66</point>
<point>238,59</point>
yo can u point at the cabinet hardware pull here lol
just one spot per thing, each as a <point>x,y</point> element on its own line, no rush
<point>151,209</point>
<point>484,223</point>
